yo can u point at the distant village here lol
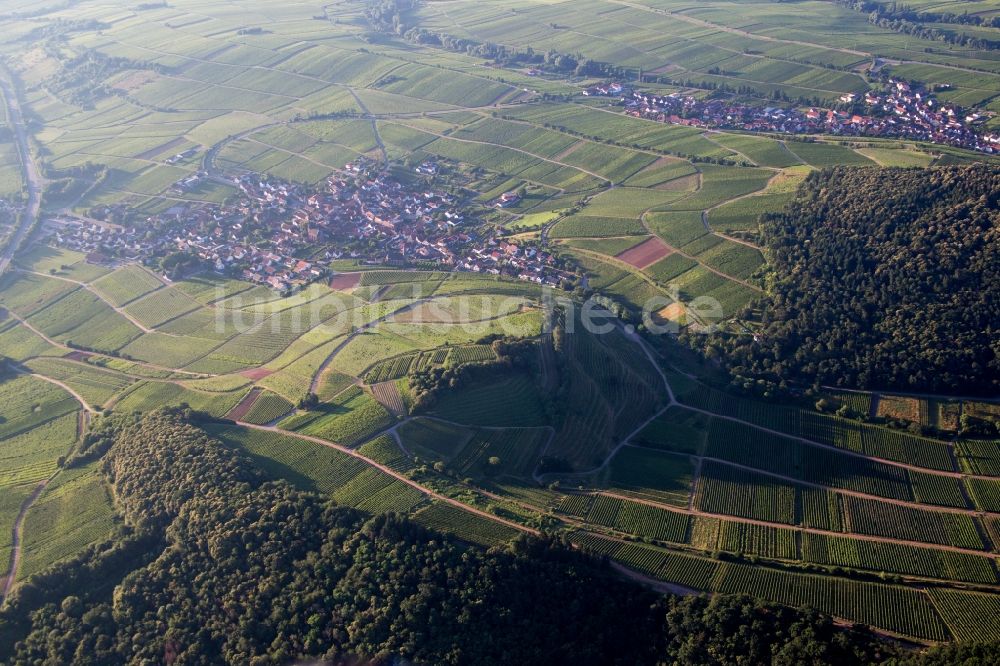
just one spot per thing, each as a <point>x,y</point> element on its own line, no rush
<point>901,111</point>
<point>285,235</point>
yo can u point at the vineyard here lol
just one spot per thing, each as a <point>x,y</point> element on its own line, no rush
<point>608,397</point>
<point>74,511</point>
<point>897,558</point>
<point>513,401</point>
<point>775,417</point>
<point>470,354</point>
<point>373,491</point>
<point>738,443</point>
<point>693,572</point>
<point>312,466</point>
<point>127,284</point>
<point>159,307</point>
<point>266,408</point>
<point>388,395</point>
<point>734,492</point>
<point>876,441</point>
<point>936,489</point>
<point>96,386</point>
<point>397,367</point>
<point>651,523</point>
<point>677,430</point>
<point>985,493</point>
<point>651,475</point>
<point>762,540</point>
<point>896,608</point>
<point>350,418</point>
<point>430,438</point>
<point>508,451</point>
<point>384,450</point>
<point>910,524</point>
<point>464,525</point>
<point>979,456</point>
<point>971,616</point>
<point>371,278</point>
<point>26,402</point>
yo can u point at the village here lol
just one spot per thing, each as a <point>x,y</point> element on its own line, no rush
<point>285,235</point>
<point>901,111</point>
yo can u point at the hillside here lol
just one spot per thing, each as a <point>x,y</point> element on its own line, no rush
<point>882,279</point>
<point>357,332</point>
<point>245,571</point>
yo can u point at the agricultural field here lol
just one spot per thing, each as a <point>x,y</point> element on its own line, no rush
<point>350,418</point>
<point>74,511</point>
<point>651,475</point>
<point>97,386</point>
<point>266,407</point>
<point>38,427</point>
<point>874,507</point>
<point>511,402</point>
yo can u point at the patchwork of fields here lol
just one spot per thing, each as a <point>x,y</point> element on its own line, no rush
<point>601,437</point>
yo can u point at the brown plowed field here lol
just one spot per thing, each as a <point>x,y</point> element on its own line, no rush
<point>344,281</point>
<point>645,253</point>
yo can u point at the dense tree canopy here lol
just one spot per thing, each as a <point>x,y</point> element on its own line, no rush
<point>883,279</point>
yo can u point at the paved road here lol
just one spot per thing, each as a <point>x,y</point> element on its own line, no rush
<point>31,177</point>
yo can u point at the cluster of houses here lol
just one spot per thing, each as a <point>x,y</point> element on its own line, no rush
<point>501,257</point>
<point>899,111</point>
<point>284,235</point>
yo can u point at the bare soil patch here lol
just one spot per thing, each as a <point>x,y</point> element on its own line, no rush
<point>645,253</point>
<point>245,405</point>
<point>345,281</point>
<point>256,373</point>
<point>674,312</point>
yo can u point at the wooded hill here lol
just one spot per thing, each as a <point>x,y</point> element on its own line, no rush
<point>881,279</point>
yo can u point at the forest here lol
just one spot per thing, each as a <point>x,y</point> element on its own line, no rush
<point>879,279</point>
<point>217,564</point>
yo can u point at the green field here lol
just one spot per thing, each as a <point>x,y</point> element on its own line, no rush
<point>635,446</point>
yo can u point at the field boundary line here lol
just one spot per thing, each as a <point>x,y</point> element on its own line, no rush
<point>391,472</point>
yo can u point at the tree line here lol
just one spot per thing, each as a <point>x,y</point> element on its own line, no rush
<point>902,18</point>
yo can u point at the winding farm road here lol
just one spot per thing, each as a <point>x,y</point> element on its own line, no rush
<point>55,343</point>
<point>16,535</point>
<point>393,473</point>
<point>15,549</point>
<point>317,378</point>
<point>811,530</point>
<point>120,310</point>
